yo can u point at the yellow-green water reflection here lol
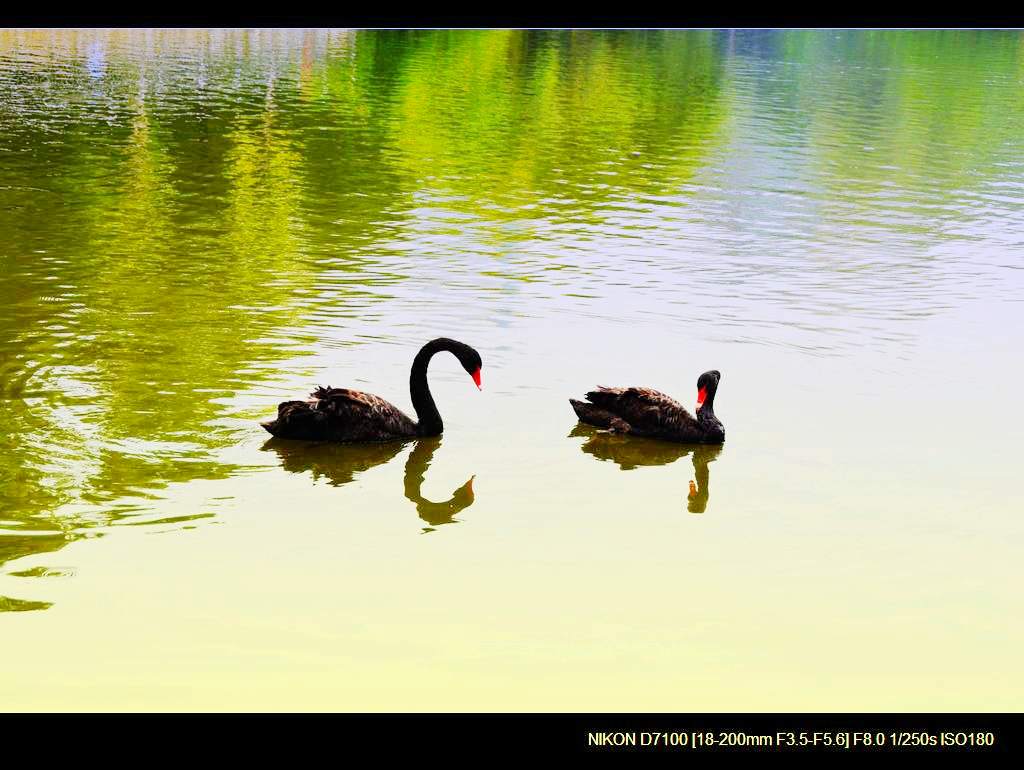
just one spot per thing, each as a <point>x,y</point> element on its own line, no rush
<point>195,225</point>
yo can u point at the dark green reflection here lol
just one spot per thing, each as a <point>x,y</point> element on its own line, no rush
<point>15,546</point>
<point>8,604</point>
<point>339,464</point>
<point>435,514</point>
<point>630,452</point>
<point>697,501</point>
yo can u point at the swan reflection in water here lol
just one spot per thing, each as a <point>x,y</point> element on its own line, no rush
<point>435,514</point>
<point>341,463</point>
<point>630,452</point>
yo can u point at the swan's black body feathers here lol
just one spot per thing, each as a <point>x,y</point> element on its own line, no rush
<point>341,414</point>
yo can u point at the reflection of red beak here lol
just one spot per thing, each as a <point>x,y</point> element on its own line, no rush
<point>701,395</point>
<point>476,379</point>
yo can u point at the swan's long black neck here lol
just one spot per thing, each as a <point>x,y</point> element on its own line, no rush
<point>707,411</point>
<point>429,419</point>
<point>706,416</point>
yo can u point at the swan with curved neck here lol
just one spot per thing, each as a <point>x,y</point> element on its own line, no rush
<point>646,412</point>
<point>345,415</point>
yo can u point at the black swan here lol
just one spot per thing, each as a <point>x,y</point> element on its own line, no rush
<point>349,416</point>
<point>646,412</point>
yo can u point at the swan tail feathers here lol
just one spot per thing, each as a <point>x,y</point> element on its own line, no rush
<point>297,420</point>
<point>598,417</point>
<point>604,397</point>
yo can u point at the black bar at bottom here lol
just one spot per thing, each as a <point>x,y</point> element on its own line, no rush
<point>539,735</point>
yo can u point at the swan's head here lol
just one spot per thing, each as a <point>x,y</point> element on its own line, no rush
<point>468,357</point>
<point>470,361</point>
<point>707,384</point>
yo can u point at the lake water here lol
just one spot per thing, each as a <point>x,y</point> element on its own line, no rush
<point>196,225</point>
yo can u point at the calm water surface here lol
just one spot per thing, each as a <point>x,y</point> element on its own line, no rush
<point>197,225</point>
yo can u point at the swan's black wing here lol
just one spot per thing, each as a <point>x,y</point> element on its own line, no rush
<point>359,416</point>
<point>341,414</point>
<point>648,412</point>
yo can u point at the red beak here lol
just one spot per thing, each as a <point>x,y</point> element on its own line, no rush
<point>476,379</point>
<point>701,395</point>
